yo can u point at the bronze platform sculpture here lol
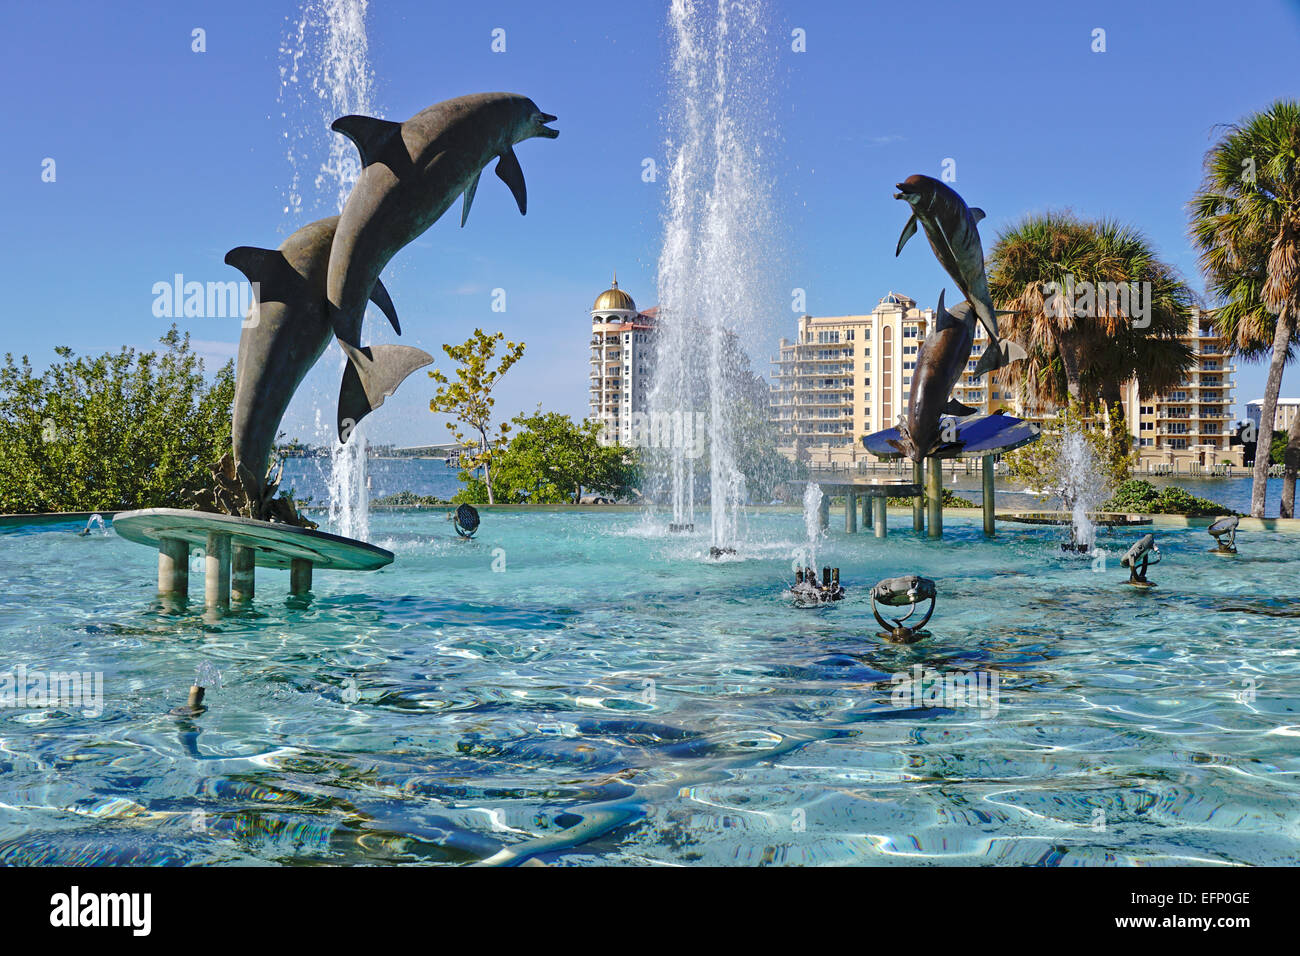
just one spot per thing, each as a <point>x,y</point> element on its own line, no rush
<point>937,425</point>
<point>313,290</point>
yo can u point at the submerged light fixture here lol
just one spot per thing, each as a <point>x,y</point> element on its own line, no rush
<point>465,521</point>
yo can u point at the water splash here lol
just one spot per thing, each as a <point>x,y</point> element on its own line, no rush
<point>713,261</point>
<point>96,521</point>
<point>812,519</point>
<point>207,675</point>
<point>1080,483</point>
<point>325,73</point>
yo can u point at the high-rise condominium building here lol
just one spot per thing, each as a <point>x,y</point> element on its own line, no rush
<point>622,361</point>
<point>849,375</point>
<point>1191,422</point>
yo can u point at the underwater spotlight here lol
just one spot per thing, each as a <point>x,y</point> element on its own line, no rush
<point>686,527</point>
<point>716,552</point>
<point>905,591</point>
<point>1137,559</point>
<point>809,592</point>
<point>465,521</point>
<point>1225,526</point>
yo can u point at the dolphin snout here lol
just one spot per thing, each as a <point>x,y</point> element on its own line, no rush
<point>542,129</point>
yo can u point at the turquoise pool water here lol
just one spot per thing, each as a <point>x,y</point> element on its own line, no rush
<point>609,696</point>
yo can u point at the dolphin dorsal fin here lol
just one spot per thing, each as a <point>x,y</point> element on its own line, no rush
<point>370,135</point>
<point>510,173</point>
<point>976,213</point>
<point>253,262</point>
<point>380,297</point>
<point>908,232</point>
<point>469,198</point>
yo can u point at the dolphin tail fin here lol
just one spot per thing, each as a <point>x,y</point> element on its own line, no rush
<point>513,176</point>
<point>955,407</point>
<point>997,355</point>
<point>905,443</point>
<point>372,374</point>
<point>908,232</point>
<point>369,134</point>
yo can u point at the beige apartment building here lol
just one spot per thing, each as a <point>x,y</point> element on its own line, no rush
<point>1191,423</point>
<point>621,363</point>
<point>849,375</point>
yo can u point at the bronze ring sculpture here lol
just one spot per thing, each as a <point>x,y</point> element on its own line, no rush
<point>905,591</point>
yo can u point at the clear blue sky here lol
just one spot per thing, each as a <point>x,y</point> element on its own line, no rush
<point>166,158</point>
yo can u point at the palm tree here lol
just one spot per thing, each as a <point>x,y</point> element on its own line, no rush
<point>1246,222</point>
<point>1086,354</point>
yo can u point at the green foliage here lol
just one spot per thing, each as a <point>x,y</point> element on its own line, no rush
<point>1277,449</point>
<point>469,400</point>
<point>119,431</point>
<point>950,500</point>
<point>1144,498</point>
<point>1084,348</point>
<point>1040,464</point>
<point>551,460</point>
<point>408,499</point>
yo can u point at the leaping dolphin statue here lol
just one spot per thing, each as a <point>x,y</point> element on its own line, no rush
<point>940,362</point>
<point>287,331</point>
<point>411,173</point>
<point>950,225</point>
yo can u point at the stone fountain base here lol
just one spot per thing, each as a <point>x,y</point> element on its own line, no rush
<point>233,546</point>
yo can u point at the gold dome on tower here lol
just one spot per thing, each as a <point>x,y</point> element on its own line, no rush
<point>614,299</point>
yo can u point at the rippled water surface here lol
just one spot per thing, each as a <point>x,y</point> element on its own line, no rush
<point>610,696</point>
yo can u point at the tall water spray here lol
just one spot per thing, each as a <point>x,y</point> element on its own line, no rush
<point>1080,483</point>
<point>325,73</point>
<point>812,519</point>
<point>713,265</point>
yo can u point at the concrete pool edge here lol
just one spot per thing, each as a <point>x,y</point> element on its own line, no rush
<point>1284,525</point>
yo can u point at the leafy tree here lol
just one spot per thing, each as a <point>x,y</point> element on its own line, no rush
<point>1087,358</point>
<point>118,431</point>
<point>1246,222</point>
<point>469,399</point>
<point>552,459</point>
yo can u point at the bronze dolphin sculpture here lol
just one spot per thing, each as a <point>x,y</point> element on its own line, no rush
<point>950,225</point>
<point>411,173</point>
<point>286,332</point>
<point>940,362</point>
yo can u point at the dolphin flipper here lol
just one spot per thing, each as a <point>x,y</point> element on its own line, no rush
<point>372,374</point>
<point>510,173</point>
<point>469,198</point>
<point>380,297</point>
<point>369,134</point>
<point>908,232</point>
<point>955,407</point>
<point>976,213</point>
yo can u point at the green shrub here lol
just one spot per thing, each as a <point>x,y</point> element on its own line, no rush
<point>1142,497</point>
<point>118,431</point>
